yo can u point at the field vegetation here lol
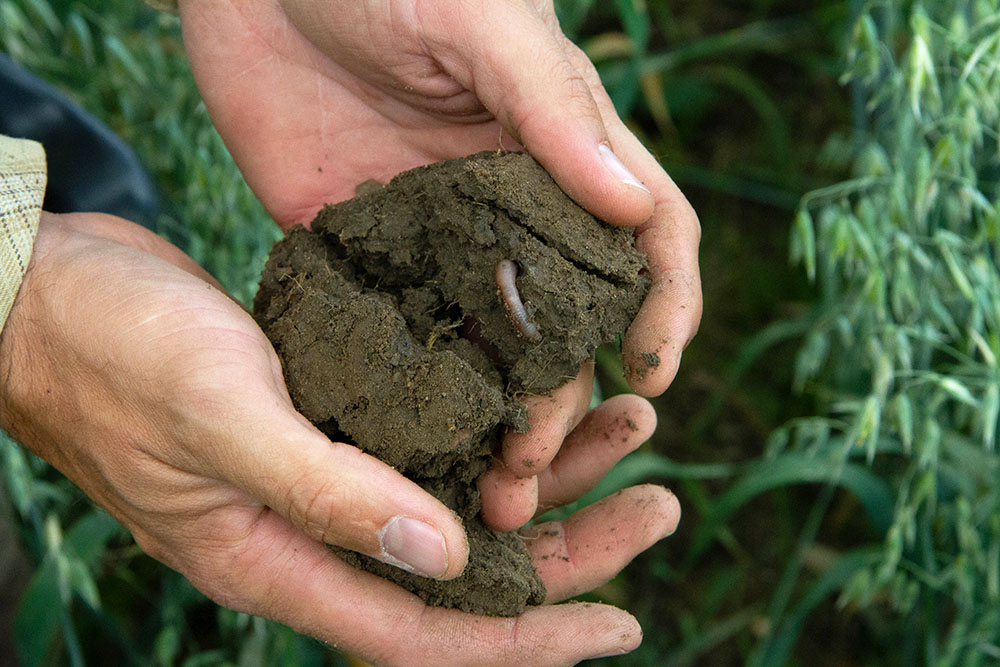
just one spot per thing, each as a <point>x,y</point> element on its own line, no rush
<point>832,434</point>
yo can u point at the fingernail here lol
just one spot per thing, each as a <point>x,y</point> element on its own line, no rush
<point>618,168</point>
<point>413,546</point>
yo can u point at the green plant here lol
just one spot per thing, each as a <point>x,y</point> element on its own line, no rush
<point>903,345</point>
<point>667,81</point>
<point>899,361</point>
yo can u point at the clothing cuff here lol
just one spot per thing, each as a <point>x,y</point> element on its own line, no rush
<point>22,188</point>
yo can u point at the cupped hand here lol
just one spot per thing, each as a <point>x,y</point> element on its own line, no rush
<point>132,372</point>
<point>128,369</point>
<point>313,97</point>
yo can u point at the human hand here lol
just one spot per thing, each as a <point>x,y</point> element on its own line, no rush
<point>128,369</point>
<point>568,447</point>
<point>314,97</point>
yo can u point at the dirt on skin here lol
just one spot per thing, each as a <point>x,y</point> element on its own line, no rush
<point>394,336</point>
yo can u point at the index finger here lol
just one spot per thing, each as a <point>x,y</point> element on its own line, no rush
<point>669,316</point>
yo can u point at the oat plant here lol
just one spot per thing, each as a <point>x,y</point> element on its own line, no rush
<point>902,347</point>
<point>899,358</point>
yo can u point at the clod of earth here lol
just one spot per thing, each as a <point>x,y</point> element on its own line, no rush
<point>396,323</point>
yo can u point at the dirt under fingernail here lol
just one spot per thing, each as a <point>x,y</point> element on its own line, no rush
<point>366,313</point>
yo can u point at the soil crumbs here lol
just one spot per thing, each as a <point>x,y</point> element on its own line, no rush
<point>394,335</point>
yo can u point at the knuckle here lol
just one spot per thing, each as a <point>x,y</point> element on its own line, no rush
<point>578,94</point>
<point>580,61</point>
<point>314,501</point>
<point>531,118</point>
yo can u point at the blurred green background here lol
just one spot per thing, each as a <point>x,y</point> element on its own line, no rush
<point>832,431</point>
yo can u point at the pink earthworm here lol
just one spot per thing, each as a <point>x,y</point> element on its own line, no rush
<point>506,275</point>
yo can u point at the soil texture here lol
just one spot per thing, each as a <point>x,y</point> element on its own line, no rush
<point>414,318</point>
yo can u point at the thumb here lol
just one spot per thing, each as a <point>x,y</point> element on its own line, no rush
<point>339,495</point>
<point>529,80</point>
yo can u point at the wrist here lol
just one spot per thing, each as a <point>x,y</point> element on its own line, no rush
<point>15,348</point>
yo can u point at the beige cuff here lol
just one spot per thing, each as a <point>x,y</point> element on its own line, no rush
<point>22,188</point>
<point>169,6</point>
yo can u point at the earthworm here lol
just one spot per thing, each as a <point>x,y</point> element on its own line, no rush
<point>505,276</point>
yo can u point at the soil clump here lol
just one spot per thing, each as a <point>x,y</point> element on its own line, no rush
<point>395,335</point>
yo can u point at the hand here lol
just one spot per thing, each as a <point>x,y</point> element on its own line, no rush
<point>531,475</point>
<point>313,97</point>
<point>128,369</point>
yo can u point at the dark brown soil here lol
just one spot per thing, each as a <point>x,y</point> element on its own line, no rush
<point>394,336</point>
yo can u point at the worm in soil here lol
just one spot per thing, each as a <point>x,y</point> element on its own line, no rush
<point>506,276</point>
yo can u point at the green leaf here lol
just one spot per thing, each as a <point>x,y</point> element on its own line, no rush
<point>82,38</point>
<point>39,615</point>
<point>43,13</point>
<point>904,420</point>
<point>777,649</point>
<point>118,51</point>
<point>167,646</point>
<point>868,426</point>
<point>804,242</point>
<point>36,621</point>
<point>958,391</point>
<point>625,91</point>
<point>18,477</point>
<point>945,244</point>
<point>82,583</point>
<point>989,415</point>
<point>792,468</point>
